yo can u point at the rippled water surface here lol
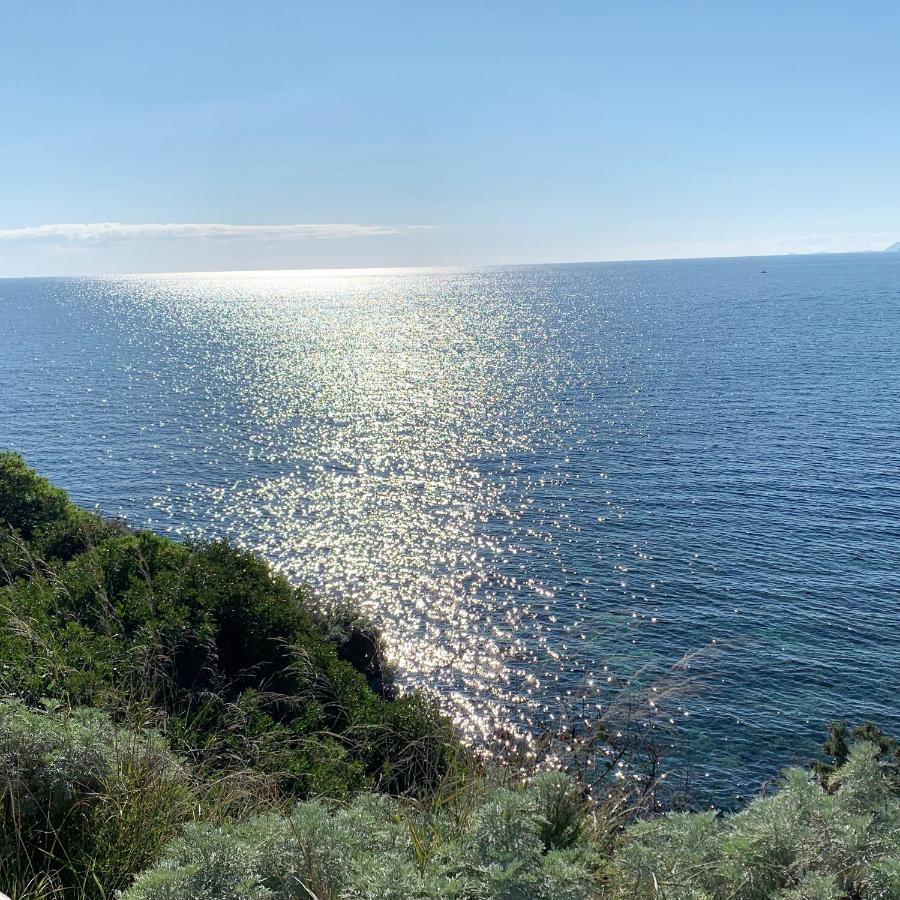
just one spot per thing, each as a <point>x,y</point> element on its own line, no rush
<point>531,477</point>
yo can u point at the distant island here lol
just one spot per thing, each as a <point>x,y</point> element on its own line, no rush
<point>894,248</point>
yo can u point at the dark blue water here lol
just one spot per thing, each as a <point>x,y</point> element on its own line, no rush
<point>536,479</point>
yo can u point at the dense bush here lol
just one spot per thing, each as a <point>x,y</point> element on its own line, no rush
<point>86,805</point>
<point>28,502</point>
<point>837,747</point>
<point>230,659</point>
<point>382,849</point>
<point>83,804</point>
<point>807,841</point>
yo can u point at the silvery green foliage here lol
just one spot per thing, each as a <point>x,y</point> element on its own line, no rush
<point>378,849</point>
<point>802,842</point>
<point>51,759</point>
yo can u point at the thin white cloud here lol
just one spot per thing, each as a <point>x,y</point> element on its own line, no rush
<point>117,231</point>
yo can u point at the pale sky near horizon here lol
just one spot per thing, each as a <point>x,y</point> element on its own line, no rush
<point>202,136</point>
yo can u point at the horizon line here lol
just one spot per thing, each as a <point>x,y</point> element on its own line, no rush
<point>450,268</point>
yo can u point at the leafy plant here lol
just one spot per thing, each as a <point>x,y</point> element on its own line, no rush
<point>841,839</point>
<point>84,804</point>
<point>837,747</point>
<point>368,850</point>
<point>239,667</point>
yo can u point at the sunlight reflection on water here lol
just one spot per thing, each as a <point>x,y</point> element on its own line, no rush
<point>531,478</point>
<point>369,403</point>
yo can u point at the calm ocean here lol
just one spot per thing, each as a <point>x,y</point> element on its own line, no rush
<point>533,478</point>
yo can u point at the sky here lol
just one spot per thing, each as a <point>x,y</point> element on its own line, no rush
<point>164,136</point>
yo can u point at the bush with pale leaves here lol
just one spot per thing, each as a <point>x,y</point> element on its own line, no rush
<point>381,849</point>
<point>804,842</point>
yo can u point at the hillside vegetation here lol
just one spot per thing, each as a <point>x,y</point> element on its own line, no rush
<point>205,641</point>
<point>177,722</point>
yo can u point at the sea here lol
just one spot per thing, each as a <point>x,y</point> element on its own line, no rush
<point>550,486</point>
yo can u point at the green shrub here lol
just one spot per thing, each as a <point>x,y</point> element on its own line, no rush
<point>562,810</point>
<point>358,642</point>
<point>378,849</point>
<point>804,840</point>
<point>84,804</point>
<point>228,657</point>
<point>28,501</point>
<point>38,523</point>
<point>837,747</point>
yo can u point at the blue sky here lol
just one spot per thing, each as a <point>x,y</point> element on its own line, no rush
<point>361,134</point>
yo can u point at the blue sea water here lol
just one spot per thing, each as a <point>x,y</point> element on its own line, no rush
<point>540,481</point>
